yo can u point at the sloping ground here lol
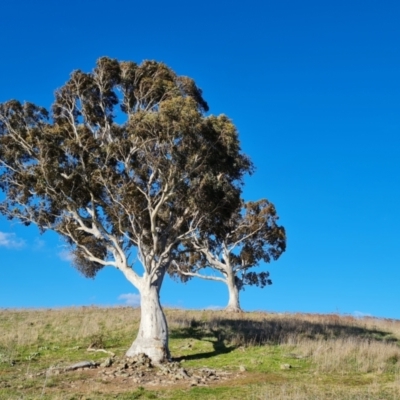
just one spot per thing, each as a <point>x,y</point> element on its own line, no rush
<point>77,353</point>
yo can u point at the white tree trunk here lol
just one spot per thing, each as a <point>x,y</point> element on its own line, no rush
<point>233,303</point>
<point>152,338</point>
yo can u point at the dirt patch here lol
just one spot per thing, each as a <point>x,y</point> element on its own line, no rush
<point>131,372</point>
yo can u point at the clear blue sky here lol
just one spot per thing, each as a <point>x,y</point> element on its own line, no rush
<point>314,89</point>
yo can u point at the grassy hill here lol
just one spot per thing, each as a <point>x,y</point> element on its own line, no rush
<point>216,356</point>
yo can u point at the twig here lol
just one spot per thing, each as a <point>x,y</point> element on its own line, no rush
<point>101,350</point>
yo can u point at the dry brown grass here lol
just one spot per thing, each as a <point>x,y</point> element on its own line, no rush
<point>27,327</point>
<point>85,321</point>
<point>312,391</point>
<point>272,328</point>
<point>342,357</point>
<point>350,355</point>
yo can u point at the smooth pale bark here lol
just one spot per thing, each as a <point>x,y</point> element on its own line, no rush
<point>233,303</point>
<point>152,338</point>
<point>228,278</point>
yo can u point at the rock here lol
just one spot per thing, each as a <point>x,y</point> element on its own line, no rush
<point>208,372</point>
<point>107,362</point>
<point>242,368</point>
<point>286,366</point>
<point>82,364</point>
<point>183,373</point>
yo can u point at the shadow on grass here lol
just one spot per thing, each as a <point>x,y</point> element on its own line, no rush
<point>227,334</point>
<point>216,337</point>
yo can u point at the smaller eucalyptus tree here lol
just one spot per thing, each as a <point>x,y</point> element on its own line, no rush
<point>232,249</point>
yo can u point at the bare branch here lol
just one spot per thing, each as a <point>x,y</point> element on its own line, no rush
<point>202,276</point>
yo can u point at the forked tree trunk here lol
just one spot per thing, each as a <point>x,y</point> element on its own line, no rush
<point>233,303</point>
<point>152,338</point>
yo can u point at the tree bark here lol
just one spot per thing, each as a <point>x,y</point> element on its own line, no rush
<point>152,338</point>
<point>233,303</point>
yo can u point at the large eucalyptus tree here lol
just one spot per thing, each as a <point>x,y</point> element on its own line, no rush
<point>126,159</point>
<point>233,248</point>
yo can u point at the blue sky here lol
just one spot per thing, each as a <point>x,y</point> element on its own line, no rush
<point>314,89</point>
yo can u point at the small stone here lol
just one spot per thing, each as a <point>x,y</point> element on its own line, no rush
<point>242,368</point>
<point>208,371</point>
<point>286,366</point>
<point>183,373</point>
<point>107,362</point>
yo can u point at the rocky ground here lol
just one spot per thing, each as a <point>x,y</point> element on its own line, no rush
<point>139,370</point>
